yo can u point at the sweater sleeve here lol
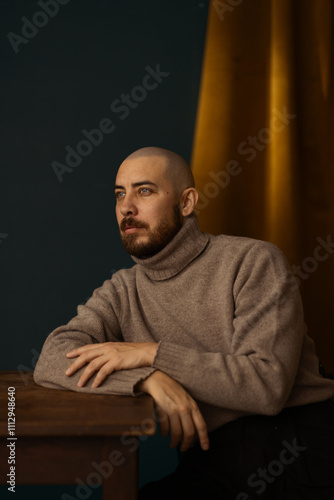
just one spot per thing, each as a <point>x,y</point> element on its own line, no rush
<point>96,321</point>
<point>258,373</point>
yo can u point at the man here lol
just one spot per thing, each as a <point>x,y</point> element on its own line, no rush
<point>212,327</point>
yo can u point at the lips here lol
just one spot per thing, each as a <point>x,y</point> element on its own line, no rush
<point>132,229</point>
<point>131,226</point>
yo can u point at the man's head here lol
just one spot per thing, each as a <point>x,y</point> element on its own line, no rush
<point>154,193</point>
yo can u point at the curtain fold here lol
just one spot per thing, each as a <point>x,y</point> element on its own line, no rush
<point>263,144</point>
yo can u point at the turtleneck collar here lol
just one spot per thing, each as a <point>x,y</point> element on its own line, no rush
<point>186,245</point>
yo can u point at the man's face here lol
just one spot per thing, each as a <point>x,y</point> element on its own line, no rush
<point>147,211</point>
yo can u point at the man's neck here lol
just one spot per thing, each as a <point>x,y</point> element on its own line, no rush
<point>186,245</point>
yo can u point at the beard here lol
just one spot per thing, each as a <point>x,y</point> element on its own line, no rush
<point>157,238</point>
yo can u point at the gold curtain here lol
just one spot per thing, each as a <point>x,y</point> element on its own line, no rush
<point>263,146</point>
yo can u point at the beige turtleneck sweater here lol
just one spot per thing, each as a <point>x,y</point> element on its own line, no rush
<point>227,314</point>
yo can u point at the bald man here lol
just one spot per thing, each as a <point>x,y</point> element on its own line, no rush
<point>212,327</point>
<point>173,187</point>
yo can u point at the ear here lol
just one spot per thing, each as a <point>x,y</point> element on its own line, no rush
<point>189,198</point>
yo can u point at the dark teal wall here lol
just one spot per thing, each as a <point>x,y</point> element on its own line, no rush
<point>64,69</point>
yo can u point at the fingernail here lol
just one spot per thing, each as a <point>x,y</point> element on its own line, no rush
<point>68,371</point>
<point>205,446</point>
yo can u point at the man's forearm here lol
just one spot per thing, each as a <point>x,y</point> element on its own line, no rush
<point>53,363</point>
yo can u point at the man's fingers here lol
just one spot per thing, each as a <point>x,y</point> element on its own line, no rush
<point>83,359</point>
<point>185,418</point>
<point>201,428</point>
<point>93,367</point>
<point>79,350</point>
<point>106,370</point>
<point>188,428</point>
<point>163,421</point>
<point>175,429</point>
<point>192,423</point>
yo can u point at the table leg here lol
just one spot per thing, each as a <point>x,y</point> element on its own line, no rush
<point>122,481</point>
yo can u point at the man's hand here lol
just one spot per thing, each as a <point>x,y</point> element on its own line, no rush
<point>176,410</point>
<point>109,357</point>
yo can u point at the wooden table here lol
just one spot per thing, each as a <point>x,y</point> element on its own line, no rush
<point>65,437</point>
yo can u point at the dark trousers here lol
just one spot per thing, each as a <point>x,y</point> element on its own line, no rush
<point>289,456</point>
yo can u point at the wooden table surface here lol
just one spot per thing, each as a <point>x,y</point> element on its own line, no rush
<point>51,412</point>
<point>61,433</point>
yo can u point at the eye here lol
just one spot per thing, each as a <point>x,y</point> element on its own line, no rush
<point>119,195</point>
<point>145,190</point>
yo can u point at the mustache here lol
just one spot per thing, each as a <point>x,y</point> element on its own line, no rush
<point>130,221</point>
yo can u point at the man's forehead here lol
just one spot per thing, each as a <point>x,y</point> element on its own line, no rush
<point>135,170</point>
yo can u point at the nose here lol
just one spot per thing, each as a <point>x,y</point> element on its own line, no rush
<point>128,207</point>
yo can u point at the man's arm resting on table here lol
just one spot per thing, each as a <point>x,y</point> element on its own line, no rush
<point>177,410</point>
<point>96,324</point>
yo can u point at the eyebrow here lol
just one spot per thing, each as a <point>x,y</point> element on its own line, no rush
<point>136,184</point>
